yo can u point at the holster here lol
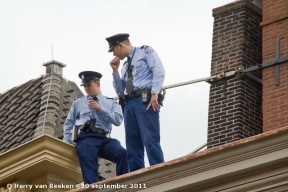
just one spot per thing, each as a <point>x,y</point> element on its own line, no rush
<point>74,133</point>
<point>92,125</point>
<point>122,101</point>
<point>89,126</point>
<point>86,127</point>
<point>161,95</point>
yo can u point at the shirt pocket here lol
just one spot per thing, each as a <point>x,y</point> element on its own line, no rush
<point>141,67</point>
<point>85,113</point>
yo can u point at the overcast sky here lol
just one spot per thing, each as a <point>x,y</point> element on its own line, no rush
<point>179,31</point>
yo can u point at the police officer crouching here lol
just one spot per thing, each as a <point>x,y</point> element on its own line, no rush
<point>90,119</point>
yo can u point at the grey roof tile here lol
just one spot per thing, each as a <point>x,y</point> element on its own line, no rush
<point>26,139</point>
<point>5,138</point>
<point>20,120</point>
<point>31,119</point>
<point>26,133</point>
<point>2,128</point>
<point>23,109</point>
<point>36,86</point>
<point>23,98</point>
<point>31,125</point>
<point>12,141</point>
<point>5,105</point>
<point>14,107</point>
<point>2,113</point>
<point>13,95</point>
<point>15,127</point>
<point>18,130</point>
<point>3,150</point>
<point>13,146</point>
<point>10,117</point>
<point>3,97</point>
<point>26,87</point>
<point>13,101</point>
<point>32,107</point>
<point>30,102</point>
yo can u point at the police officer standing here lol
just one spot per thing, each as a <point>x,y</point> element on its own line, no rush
<point>90,118</point>
<point>141,81</point>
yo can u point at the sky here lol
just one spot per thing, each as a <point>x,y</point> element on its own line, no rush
<point>179,31</point>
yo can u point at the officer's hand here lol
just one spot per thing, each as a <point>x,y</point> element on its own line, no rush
<point>114,63</point>
<point>94,104</point>
<point>153,102</point>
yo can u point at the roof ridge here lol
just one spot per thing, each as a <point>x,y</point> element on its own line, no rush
<point>49,103</point>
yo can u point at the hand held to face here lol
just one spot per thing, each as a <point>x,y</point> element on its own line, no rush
<point>114,63</point>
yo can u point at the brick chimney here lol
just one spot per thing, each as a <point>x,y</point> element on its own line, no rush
<point>275,78</point>
<point>50,99</point>
<point>235,103</point>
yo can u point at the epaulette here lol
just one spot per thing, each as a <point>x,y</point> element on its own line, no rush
<point>111,98</point>
<point>78,98</point>
<point>144,46</point>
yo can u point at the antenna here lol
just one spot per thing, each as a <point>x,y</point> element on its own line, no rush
<point>52,53</point>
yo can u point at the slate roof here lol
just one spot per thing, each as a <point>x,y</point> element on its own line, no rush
<point>23,108</point>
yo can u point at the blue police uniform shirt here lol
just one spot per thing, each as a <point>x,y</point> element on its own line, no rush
<point>147,71</point>
<point>109,113</point>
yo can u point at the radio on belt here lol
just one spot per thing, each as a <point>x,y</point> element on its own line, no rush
<point>145,96</point>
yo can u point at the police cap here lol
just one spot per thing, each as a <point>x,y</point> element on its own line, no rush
<point>115,39</point>
<point>88,76</point>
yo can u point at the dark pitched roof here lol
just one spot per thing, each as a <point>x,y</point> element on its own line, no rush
<point>39,103</point>
<point>19,109</point>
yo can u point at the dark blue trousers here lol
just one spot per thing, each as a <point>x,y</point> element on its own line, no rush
<point>90,146</point>
<point>142,129</point>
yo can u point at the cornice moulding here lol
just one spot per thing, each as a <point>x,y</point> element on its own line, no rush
<point>42,155</point>
<point>213,166</point>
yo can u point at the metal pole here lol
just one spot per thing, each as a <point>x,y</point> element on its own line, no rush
<point>215,77</point>
<point>189,82</point>
<point>198,149</point>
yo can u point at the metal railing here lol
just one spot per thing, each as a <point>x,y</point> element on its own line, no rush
<point>214,78</point>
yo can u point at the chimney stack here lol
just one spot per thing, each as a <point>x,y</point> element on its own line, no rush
<point>50,99</point>
<point>235,103</point>
<point>54,67</point>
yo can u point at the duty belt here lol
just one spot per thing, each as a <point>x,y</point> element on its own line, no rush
<point>135,94</point>
<point>101,131</point>
<point>123,99</point>
<point>76,131</point>
<point>96,130</point>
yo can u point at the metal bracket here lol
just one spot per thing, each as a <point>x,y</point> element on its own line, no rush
<point>253,77</point>
<point>266,64</point>
<point>276,62</point>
